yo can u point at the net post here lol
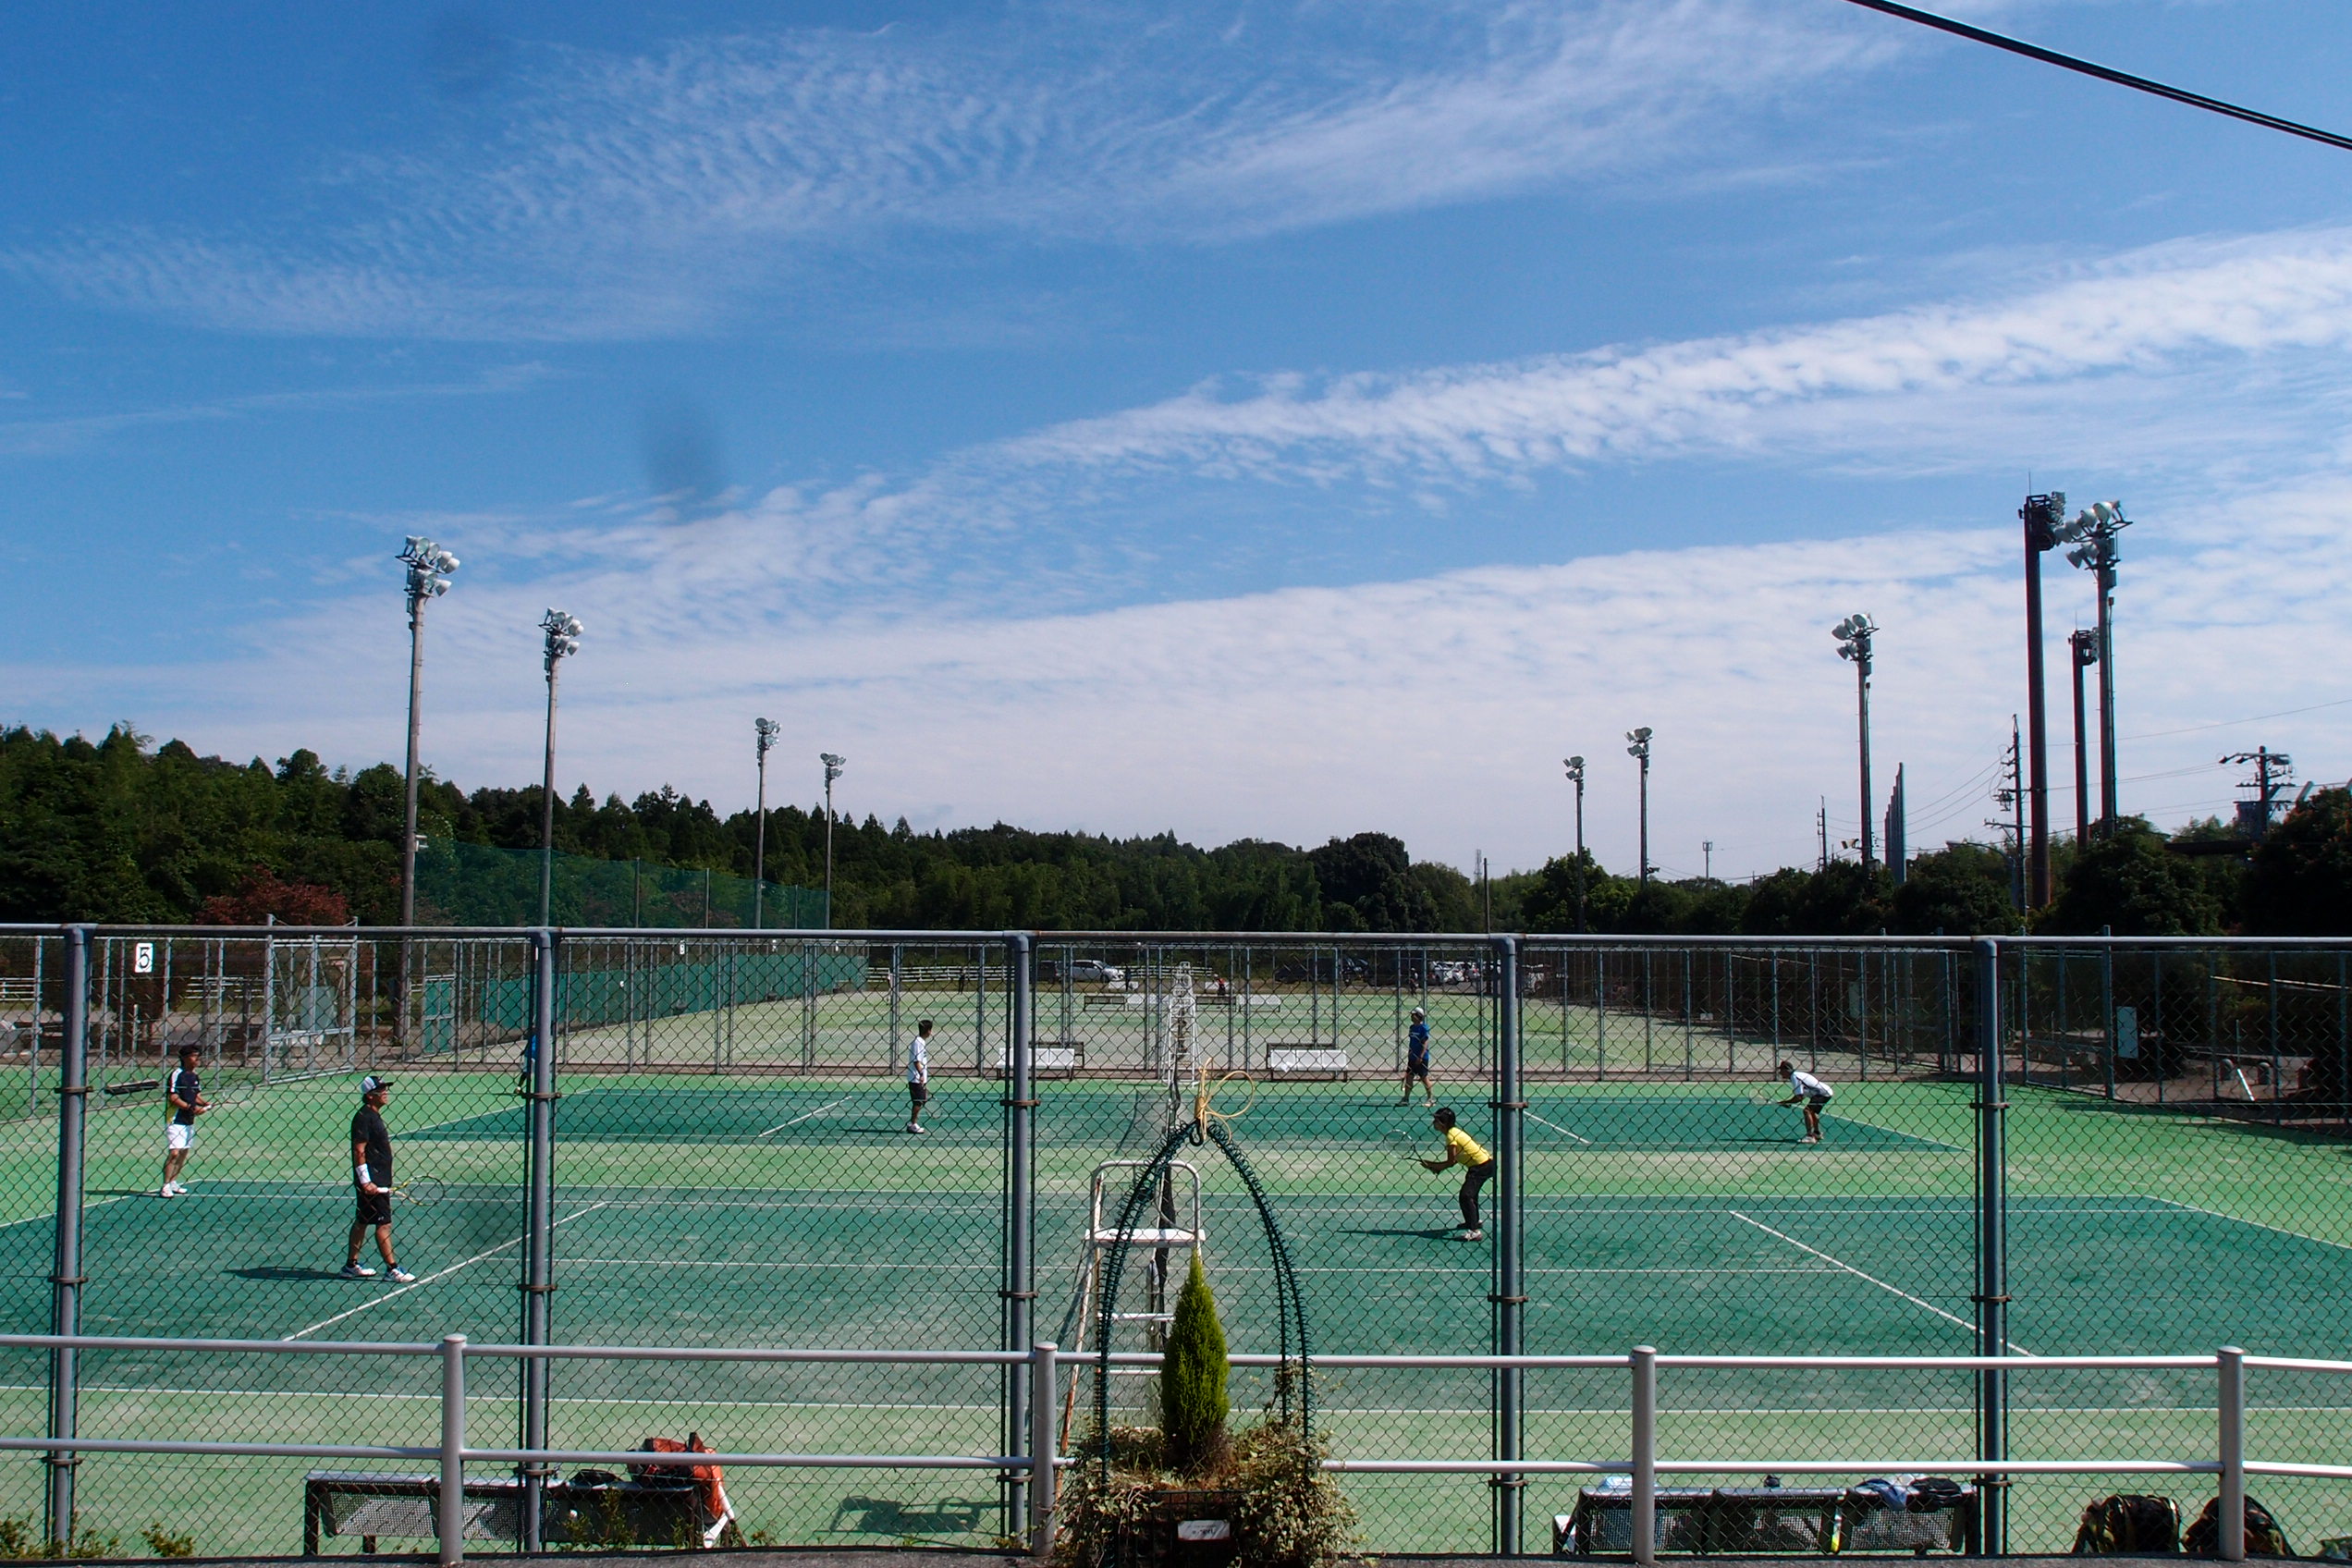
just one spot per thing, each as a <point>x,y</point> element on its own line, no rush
<point>2229,1367</point>
<point>65,1277</point>
<point>1992,1252</point>
<point>539,1212</point>
<point>1044,1400</point>
<point>450,1513</point>
<point>1510,1292</point>
<point>1644,1498</point>
<point>1019,1283</point>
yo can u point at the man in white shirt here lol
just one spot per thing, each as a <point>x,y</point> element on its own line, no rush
<point>918,1074</point>
<point>1810,1092</point>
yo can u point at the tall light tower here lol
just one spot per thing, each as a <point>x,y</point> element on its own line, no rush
<point>832,771</point>
<point>2042,515</point>
<point>429,567</point>
<point>2096,529</point>
<point>563,640</point>
<point>2086,651</point>
<point>1640,750</point>
<point>1853,634</point>
<point>763,731</point>
<point>1575,766</point>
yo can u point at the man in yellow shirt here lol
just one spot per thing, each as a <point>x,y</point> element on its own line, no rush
<point>1477,1168</point>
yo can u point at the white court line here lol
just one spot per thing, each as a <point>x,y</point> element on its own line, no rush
<point>2273,1230</point>
<point>1556,1127</point>
<point>798,1120</point>
<point>420,1284</point>
<point>1849,1268</point>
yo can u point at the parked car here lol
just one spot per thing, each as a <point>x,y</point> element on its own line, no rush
<point>1095,969</point>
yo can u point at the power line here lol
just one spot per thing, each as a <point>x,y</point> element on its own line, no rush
<point>2226,723</point>
<point>2106,73</point>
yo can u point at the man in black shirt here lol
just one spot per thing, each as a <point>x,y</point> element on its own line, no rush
<point>184,1093</point>
<point>371,1183</point>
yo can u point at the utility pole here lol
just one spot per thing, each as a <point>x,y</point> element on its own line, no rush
<point>2013,797</point>
<point>1853,634</point>
<point>1706,848</point>
<point>832,771</point>
<point>2096,530</point>
<point>1575,766</point>
<point>563,640</point>
<point>2042,515</point>
<point>763,733</point>
<point>2086,647</point>
<point>1640,750</point>
<point>1897,825</point>
<point>2273,773</point>
<point>1821,822</point>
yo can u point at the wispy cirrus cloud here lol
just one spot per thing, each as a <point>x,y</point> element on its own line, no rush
<point>652,195</point>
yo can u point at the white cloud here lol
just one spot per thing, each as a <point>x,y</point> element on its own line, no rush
<point>649,195</point>
<point>1437,708</point>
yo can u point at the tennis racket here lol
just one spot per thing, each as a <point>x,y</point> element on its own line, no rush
<point>1768,1094</point>
<point>425,1191</point>
<point>1404,1145</point>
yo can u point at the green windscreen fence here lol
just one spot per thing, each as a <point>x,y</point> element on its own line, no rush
<point>480,885</point>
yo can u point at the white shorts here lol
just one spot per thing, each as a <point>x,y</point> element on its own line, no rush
<point>181,1133</point>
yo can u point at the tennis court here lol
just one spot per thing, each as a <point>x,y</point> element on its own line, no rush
<point>702,1209</point>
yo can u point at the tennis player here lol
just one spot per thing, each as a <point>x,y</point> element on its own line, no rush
<point>1417,1058</point>
<point>371,1183</point>
<point>918,1075</point>
<point>1477,1168</point>
<point>185,1094</point>
<point>1810,1092</point>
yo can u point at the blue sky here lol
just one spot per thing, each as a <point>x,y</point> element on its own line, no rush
<point>1259,419</point>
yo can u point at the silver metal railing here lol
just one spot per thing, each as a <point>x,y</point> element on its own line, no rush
<point>1644,1465</point>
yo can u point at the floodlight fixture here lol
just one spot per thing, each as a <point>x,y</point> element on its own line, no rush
<point>1853,634</point>
<point>562,640</point>
<point>2044,518</point>
<point>2096,529</point>
<point>1575,766</point>
<point>1639,751</point>
<point>763,735</point>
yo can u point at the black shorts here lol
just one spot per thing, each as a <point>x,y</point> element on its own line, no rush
<point>1418,1069</point>
<point>1815,1102</point>
<point>918,1093</point>
<point>376,1208</point>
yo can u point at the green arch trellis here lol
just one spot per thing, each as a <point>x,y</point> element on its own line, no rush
<point>1294,1394</point>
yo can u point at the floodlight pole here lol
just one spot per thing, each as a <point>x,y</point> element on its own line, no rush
<point>765,730</point>
<point>832,771</point>
<point>2041,516</point>
<point>428,577</point>
<point>2086,649</point>
<point>1575,766</point>
<point>562,638</point>
<point>1853,634</point>
<point>1640,750</point>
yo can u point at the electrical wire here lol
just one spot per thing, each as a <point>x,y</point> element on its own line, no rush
<point>2106,73</point>
<point>2251,719</point>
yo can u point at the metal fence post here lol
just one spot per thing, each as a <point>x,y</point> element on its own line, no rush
<point>1644,1499</point>
<point>1510,1292</point>
<point>2229,1543</point>
<point>450,1515</point>
<point>1020,1291</point>
<point>1044,1400</point>
<point>1991,1296</point>
<point>65,1277</point>
<point>539,1210</point>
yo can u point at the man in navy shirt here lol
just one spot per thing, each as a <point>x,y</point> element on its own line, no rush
<point>1417,1058</point>
<point>371,1183</point>
<point>184,1091</point>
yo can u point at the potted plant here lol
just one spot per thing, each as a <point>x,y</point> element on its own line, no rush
<point>1192,1494</point>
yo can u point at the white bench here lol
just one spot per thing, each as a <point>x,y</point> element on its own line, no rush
<point>1048,1058</point>
<point>1326,1062</point>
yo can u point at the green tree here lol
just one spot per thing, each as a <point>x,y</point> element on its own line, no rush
<point>2302,882</point>
<point>1961,890</point>
<point>1192,1374</point>
<point>2128,881</point>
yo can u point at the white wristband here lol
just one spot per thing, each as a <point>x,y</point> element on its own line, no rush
<point>364,1177</point>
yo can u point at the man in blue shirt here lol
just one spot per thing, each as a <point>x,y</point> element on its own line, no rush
<point>185,1094</point>
<point>1417,1058</point>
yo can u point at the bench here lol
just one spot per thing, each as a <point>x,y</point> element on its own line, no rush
<point>1761,1521</point>
<point>580,1512</point>
<point>1112,998</point>
<point>1326,1063</point>
<point>1049,1059</point>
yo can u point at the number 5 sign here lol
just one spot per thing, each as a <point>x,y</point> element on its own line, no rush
<point>143,957</point>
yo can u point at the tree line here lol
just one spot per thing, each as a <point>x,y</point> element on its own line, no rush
<point>122,830</point>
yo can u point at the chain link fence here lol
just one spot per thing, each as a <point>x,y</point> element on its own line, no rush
<point>721,1146</point>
